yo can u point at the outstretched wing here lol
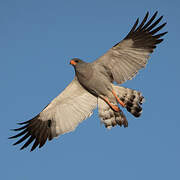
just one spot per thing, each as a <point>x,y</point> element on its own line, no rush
<point>126,58</point>
<point>62,115</point>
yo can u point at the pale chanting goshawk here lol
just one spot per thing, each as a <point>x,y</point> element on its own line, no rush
<point>93,86</point>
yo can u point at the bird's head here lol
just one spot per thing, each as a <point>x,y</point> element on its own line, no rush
<point>76,62</point>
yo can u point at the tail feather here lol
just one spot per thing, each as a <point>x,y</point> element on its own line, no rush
<point>131,98</point>
<point>109,117</point>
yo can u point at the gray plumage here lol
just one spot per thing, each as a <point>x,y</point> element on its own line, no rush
<point>93,85</point>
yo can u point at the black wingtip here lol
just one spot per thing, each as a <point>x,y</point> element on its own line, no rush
<point>35,144</point>
<point>22,148</point>
<point>32,149</point>
<point>19,129</point>
<point>165,24</point>
<point>135,25</point>
<point>147,14</point>
<point>132,29</point>
<point>25,122</point>
<point>155,14</point>
<point>12,137</point>
<point>159,41</point>
<point>15,143</point>
<point>161,17</point>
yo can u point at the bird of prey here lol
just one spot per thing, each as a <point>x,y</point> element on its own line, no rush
<point>93,86</point>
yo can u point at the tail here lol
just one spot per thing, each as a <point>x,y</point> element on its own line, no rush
<point>109,117</point>
<point>131,98</point>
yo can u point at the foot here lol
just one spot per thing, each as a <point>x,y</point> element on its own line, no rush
<point>119,101</point>
<point>114,107</point>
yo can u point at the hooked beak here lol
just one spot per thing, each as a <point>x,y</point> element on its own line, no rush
<point>72,62</point>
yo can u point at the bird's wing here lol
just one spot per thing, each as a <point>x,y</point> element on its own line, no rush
<point>62,115</point>
<point>126,58</point>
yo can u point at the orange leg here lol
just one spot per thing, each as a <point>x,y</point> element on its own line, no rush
<point>119,101</point>
<point>114,107</point>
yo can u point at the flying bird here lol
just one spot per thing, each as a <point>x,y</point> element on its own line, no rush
<point>93,87</point>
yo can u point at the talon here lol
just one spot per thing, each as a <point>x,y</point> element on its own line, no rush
<point>115,108</point>
<point>120,102</point>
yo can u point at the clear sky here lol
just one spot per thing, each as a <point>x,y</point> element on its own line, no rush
<point>37,40</point>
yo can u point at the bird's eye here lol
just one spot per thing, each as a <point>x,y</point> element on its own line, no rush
<point>76,61</point>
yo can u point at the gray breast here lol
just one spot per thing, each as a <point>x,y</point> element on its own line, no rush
<point>94,79</point>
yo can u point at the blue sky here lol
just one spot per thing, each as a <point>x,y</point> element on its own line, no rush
<point>37,40</point>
